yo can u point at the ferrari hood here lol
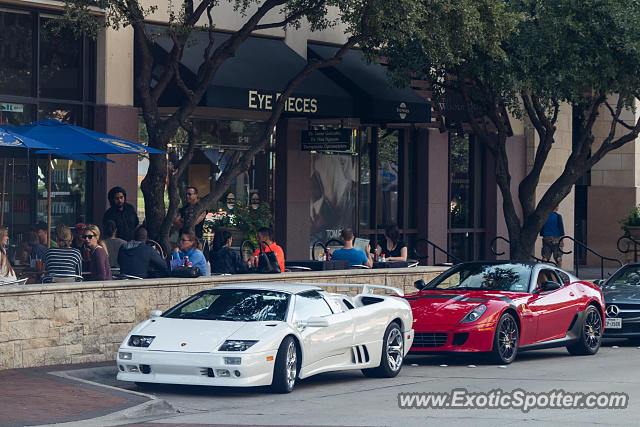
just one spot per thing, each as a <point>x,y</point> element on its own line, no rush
<point>191,336</point>
<point>446,308</point>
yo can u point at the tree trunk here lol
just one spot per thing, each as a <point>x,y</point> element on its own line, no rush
<point>153,188</point>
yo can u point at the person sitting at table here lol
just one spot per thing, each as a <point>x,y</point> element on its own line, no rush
<point>189,246</point>
<point>349,253</point>
<point>23,254</point>
<point>63,260</point>
<point>136,258</point>
<point>99,264</point>
<point>112,242</point>
<point>42,230</point>
<point>37,248</point>
<point>6,271</point>
<point>267,245</point>
<point>225,260</point>
<point>78,232</point>
<point>393,248</point>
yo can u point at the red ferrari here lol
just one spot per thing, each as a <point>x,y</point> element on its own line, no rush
<point>505,307</point>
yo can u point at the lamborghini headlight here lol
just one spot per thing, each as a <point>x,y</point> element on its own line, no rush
<point>474,314</point>
<point>140,341</point>
<point>236,345</point>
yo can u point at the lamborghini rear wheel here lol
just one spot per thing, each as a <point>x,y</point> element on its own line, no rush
<point>505,341</point>
<point>392,354</point>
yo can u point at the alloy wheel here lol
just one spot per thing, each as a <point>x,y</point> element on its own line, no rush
<point>507,338</point>
<point>592,329</point>
<point>395,349</point>
<point>291,364</point>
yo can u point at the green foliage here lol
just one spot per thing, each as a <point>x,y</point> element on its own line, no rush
<point>244,217</point>
<point>631,220</point>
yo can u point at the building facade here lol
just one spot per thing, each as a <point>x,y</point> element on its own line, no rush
<point>350,149</point>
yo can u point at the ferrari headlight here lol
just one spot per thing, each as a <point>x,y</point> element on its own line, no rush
<point>140,341</point>
<point>236,345</point>
<point>474,314</point>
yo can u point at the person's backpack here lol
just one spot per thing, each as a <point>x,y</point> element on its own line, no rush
<point>268,262</point>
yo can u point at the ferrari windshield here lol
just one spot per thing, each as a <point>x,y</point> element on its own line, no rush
<point>512,277</point>
<point>627,277</point>
<point>236,305</point>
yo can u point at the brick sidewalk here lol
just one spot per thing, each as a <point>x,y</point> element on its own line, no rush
<point>33,397</point>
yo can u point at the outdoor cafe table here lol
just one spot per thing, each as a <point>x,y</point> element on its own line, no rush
<point>391,264</point>
<point>319,265</point>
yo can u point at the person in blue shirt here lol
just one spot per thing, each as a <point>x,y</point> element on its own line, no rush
<point>552,231</point>
<point>351,254</point>
<point>190,246</point>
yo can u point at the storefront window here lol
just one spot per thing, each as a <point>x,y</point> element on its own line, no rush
<point>64,90</point>
<point>61,59</point>
<point>68,191</point>
<point>364,192</point>
<point>16,53</point>
<point>466,201</point>
<point>388,176</point>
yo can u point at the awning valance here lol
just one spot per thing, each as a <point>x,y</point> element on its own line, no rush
<point>376,99</point>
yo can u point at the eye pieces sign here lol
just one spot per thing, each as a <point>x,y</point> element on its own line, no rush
<point>265,101</point>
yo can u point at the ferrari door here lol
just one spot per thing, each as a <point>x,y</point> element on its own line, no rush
<point>322,345</point>
<point>554,310</point>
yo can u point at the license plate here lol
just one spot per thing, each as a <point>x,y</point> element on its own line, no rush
<point>613,323</point>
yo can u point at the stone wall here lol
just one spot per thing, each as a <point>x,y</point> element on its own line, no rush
<point>69,323</point>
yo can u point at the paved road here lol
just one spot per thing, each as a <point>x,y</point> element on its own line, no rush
<point>349,399</point>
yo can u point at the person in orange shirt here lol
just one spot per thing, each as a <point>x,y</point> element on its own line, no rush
<point>264,240</point>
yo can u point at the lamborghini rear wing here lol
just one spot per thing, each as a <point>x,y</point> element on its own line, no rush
<point>366,289</point>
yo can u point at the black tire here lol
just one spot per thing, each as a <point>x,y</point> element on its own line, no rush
<point>590,334</point>
<point>392,354</point>
<point>505,340</point>
<point>285,370</point>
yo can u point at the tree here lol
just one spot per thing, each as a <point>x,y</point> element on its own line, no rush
<point>545,53</point>
<point>368,21</point>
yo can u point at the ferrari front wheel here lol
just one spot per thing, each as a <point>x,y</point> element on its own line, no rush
<point>590,334</point>
<point>392,354</point>
<point>505,340</point>
<point>285,370</point>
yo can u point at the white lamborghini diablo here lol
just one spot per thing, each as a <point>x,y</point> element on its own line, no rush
<point>260,334</point>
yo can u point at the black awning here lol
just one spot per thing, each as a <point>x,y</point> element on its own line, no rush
<point>255,76</point>
<point>376,100</point>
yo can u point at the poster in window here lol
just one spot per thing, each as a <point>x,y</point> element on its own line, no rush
<point>333,195</point>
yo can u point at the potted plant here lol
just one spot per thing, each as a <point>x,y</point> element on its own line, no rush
<point>630,224</point>
<point>243,223</point>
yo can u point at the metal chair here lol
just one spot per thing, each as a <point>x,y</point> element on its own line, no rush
<point>412,263</point>
<point>294,268</point>
<point>14,282</point>
<point>122,276</point>
<point>157,246</point>
<point>61,278</point>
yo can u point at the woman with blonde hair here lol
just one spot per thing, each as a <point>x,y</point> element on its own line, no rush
<point>63,260</point>
<point>6,271</point>
<point>99,267</point>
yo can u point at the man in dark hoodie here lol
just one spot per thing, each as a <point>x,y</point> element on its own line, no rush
<point>122,213</point>
<point>135,257</point>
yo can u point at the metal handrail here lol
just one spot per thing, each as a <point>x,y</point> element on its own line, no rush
<point>493,250</point>
<point>626,251</point>
<point>588,249</point>
<point>434,248</point>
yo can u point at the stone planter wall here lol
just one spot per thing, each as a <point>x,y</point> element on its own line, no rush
<point>66,323</point>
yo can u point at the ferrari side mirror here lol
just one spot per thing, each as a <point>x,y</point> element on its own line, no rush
<point>598,282</point>
<point>419,284</point>
<point>549,286</point>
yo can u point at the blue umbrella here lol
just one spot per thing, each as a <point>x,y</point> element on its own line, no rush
<point>11,139</point>
<point>70,139</point>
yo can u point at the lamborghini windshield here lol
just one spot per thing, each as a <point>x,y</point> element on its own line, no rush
<point>513,277</point>
<point>237,305</point>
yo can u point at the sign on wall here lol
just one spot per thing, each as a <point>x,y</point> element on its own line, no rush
<point>326,140</point>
